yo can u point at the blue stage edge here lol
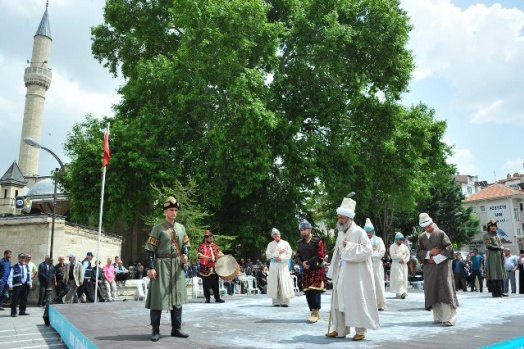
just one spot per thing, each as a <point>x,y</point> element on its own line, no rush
<point>72,337</point>
<point>515,343</point>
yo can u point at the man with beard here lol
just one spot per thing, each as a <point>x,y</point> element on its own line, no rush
<point>208,252</point>
<point>310,255</point>
<point>166,253</point>
<point>495,272</point>
<point>353,301</point>
<point>379,250</point>
<point>279,284</point>
<point>434,249</point>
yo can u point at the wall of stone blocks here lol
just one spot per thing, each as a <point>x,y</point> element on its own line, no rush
<point>32,234</point>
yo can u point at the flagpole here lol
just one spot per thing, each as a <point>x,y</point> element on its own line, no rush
<point>100,219</point>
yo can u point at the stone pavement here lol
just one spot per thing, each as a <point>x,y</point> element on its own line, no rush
<point>251,322</point>
<point>27,331</point>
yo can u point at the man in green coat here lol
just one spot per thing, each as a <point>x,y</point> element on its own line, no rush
<point>495,272</point>
<point>166,253</point>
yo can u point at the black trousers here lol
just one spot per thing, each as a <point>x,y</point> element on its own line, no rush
<point>41,293</point>
<point>313,299</point>
<point>521,279</point>
<point>19,296</point>
<point>460,282</point>
<point>87,288</point>
<point>210,282</point>
<point>496,287</point>
<point>474,275</point>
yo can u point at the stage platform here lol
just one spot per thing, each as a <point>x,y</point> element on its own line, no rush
<point>251,322</point>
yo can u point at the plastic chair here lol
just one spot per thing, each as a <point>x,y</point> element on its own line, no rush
<point>251,285</point>
<point>198,289</point>
<point>221,289</point>
<point>141,287</point>
<point>295,283</point>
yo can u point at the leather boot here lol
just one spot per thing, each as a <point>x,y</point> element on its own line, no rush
<point>155,323</point>
<point>176,323</point>
<point>315,316</point>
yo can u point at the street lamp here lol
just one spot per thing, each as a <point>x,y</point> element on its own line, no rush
<point>57,171</point>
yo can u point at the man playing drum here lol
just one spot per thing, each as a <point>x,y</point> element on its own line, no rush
<point>279,285</point>
<point>208,252</point>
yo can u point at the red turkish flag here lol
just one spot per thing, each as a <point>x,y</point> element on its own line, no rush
<point>107,155</point>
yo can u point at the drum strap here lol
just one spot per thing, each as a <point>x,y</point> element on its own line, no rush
<point>175,241</point>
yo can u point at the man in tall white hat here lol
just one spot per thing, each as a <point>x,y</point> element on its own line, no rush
<point>353,302</point>
<point>379,250</point>
<point>279,284</point>
<point>400,256</point>
<point>434,249</point>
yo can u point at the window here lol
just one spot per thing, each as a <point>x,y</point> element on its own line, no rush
<point>516,213</point>
<point>5,194</point>
<point>474,209</point>
<point>482,208</point>
<point>470,190</point>
<point>16,193</point>
<point>484,228</point>
<point>521,206</point>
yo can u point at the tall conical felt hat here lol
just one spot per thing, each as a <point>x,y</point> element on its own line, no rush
<point>347,208</point>
<point>368,226</point>
<point>274,231</point>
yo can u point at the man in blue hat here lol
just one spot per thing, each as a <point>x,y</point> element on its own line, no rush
<point>400,256</point>
<point>20,283</point>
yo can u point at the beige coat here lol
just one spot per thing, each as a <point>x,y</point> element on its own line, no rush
<point>78,273</point>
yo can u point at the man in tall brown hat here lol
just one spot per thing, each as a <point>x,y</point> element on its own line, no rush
<point>166,253</point>
<point>495,272</point>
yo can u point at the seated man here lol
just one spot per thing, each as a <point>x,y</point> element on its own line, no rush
<point>122,274</point>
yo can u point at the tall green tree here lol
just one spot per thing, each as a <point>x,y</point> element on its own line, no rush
<point>261,103</point>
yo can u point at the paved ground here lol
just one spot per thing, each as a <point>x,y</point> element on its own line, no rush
<point>250,322</point>
<point>27,331</point>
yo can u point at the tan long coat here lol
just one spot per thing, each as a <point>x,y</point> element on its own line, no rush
<point>439,285</point>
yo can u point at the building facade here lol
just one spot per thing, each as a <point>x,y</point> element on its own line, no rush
<point>505,205</point>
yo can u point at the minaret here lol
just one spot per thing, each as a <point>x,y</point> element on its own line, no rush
<point>37,78</point>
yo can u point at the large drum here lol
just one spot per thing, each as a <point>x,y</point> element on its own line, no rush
<point>227,268</point>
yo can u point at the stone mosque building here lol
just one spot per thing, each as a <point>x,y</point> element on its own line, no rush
<point>31,229</point>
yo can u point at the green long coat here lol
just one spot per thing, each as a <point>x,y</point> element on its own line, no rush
<point>494,259</point>
<point>169,288</point>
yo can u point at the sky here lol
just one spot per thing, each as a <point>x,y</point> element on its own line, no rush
<point>468,57</point>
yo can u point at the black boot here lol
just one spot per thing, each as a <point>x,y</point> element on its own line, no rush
<point>155,323</point>
<point>176,323</point>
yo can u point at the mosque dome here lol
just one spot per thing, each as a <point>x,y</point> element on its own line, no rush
<point>43,187</point>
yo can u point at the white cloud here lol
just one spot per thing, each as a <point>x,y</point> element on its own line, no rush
<point>513,166</point>
<point>463,159</point>
<point>479,51</point>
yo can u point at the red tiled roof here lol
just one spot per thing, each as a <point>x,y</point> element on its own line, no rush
<point>494,191</point>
